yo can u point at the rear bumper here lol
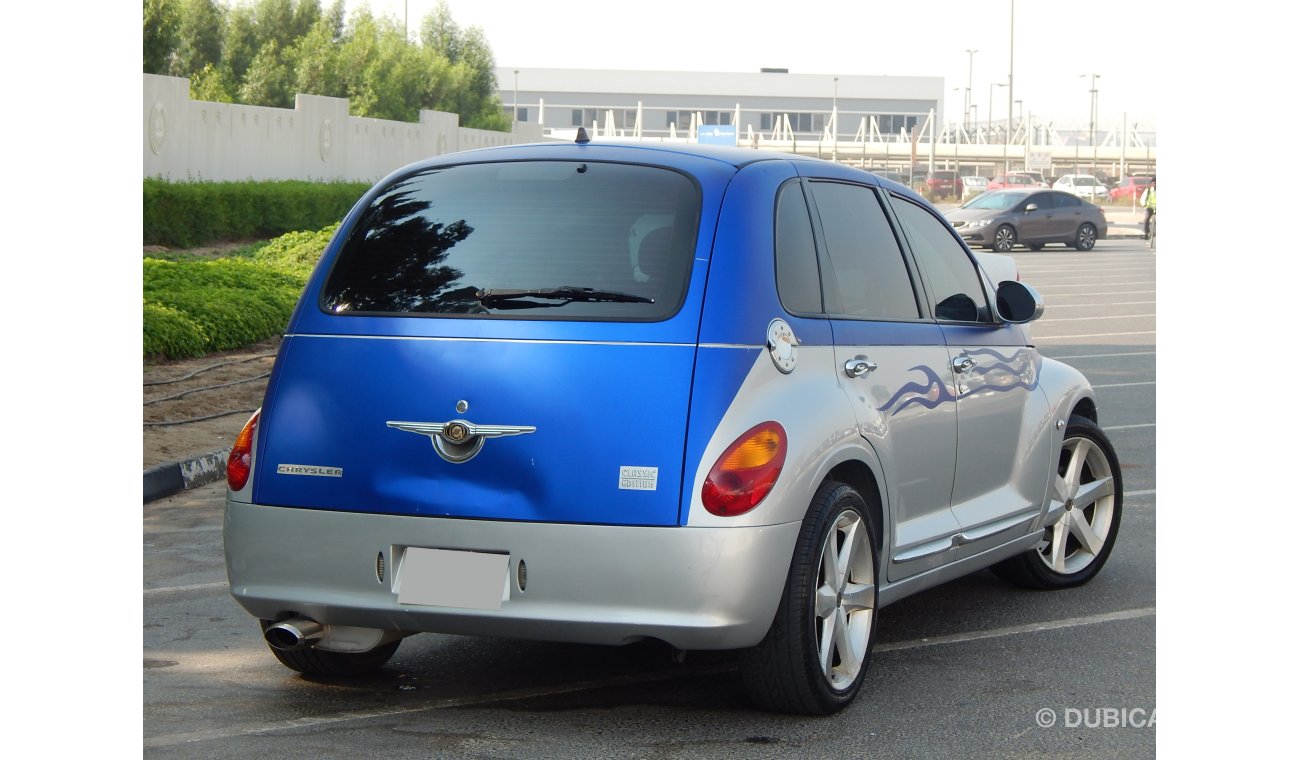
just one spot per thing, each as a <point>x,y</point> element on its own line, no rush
<point>696,588</point>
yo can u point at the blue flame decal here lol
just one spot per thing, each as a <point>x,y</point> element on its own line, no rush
<point>929,395</point>
<point>1020,370</point>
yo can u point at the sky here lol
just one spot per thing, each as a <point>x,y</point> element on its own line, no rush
<point>1057,45</point>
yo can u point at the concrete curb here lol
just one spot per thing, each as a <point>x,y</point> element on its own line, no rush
<point>173,477</point>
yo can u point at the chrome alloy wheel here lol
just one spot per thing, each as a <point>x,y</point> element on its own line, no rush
<point>1086,485</point>
<point>1086,238</point>
<point>845,600</point>
<point>1004,239</point>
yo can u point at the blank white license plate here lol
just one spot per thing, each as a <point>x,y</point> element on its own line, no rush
<point>443,578</point>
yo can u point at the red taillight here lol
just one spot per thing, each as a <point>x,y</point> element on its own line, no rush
<point>746,471</point>
<point>240,462</point>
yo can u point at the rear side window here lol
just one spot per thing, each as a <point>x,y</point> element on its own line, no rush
<point>797,280</point>
<point>532,239</point>
<point>869,278</point>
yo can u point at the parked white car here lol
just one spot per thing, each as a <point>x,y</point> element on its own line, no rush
<point>973,186</point>
<point>1083,185</point>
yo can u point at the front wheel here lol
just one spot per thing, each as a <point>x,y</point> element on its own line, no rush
<point>1086,237</point>
<point>1004,239</point>
<point>1088,484</point>
<point>814,656</point>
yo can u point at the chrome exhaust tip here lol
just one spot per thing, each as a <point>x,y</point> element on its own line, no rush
<point>293,634</point>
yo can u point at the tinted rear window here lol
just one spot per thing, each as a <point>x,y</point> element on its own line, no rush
<point>466,240</point>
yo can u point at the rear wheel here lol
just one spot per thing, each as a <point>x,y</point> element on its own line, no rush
<point>814,656</point>
<point>1086,237</point>
<point>1074,549</point>
<point>326,664</point>
<point>1004,239</point>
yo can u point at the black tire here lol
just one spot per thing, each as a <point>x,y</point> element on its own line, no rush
<point>1034,569</point>
<point>783,672</point>
<point>1035,246</point>
<point>1004,239</point>
<point>323,664</point>
<point>1086,237</point>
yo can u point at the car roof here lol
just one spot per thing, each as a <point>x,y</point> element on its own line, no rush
<point>736,157</point>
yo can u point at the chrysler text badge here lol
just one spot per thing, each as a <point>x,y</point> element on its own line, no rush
<point>459,441</point>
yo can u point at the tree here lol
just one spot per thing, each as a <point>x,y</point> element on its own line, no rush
<point>317,58</point>
<point>269,79</point>
<point>213,85</point>
<point>201,28</point>
<point>161,22</point>
<point>240,43</point>
<point>440,33</point>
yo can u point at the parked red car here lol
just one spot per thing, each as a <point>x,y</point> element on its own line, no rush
<point>1014,181</point>
<point>1130,187</point>
<point>943,184</point>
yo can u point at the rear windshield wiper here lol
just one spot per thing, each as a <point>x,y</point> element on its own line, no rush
<point>509,298</point>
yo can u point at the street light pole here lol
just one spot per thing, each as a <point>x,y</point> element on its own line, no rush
<point>835,122</point>
<point>991,86</point>
<point>1011,68</point>
<point>1092,108</point>
<point>970,68</point>
<point>514,109</point>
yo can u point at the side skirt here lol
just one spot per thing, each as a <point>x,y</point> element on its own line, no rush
<point>916,583</point>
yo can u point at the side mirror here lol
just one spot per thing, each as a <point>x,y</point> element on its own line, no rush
<point>1018,303</point>
<point>1031,207</point>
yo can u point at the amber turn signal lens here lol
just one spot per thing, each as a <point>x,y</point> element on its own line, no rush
<point>239,465</point>
<point>746,471</point>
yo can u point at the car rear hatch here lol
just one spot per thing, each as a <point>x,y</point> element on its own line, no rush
<point>505,340</point>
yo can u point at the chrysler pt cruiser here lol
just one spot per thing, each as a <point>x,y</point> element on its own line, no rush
<point>603,393</point>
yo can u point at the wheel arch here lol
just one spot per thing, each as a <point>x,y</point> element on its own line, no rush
<point>862,478</point>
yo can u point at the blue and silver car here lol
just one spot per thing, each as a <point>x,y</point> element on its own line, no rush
<point>602,393</point>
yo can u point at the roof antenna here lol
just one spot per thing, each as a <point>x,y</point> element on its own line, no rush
<point>582,138</point>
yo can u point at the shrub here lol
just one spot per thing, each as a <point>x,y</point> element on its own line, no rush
<point>226,303</point>
<point>295,252</point>
<point>168,332</point>
<point>186,214</point>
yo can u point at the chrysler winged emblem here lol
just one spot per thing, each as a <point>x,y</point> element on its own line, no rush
<point>459,441</point>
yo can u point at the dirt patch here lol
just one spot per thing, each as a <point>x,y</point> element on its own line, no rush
<point>197,406</point>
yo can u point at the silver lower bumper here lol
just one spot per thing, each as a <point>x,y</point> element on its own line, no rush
<point>695,588</point>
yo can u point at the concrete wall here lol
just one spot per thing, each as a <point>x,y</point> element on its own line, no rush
<point>316,140</point>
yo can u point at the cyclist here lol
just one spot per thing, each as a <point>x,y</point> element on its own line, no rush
<point>1148,201</point>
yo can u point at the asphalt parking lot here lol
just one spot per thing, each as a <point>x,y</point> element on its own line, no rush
<point>974,668</point>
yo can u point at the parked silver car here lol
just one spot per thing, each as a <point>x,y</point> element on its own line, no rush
<point>1002,218</point>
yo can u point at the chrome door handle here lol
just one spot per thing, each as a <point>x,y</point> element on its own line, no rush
<point>963,364</point>
<point>859,366</point>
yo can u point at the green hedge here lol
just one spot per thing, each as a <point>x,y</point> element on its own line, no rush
<point>295,252</point>
<point>186,214</point>
<point>196,307</point>
<point>192,307</point>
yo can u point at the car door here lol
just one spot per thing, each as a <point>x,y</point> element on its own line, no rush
<point>1038,223</point>
<point>1002,456</point>
<point>1068,216</point>
<point>894,367</point>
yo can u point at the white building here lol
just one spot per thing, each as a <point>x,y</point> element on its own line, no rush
<point>759,103</point>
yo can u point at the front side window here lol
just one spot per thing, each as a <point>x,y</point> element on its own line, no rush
<point>870,278</point>
<point>531,239</point>
<point>954,281</point>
